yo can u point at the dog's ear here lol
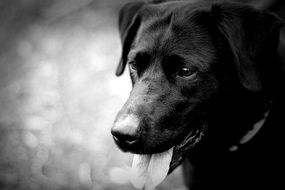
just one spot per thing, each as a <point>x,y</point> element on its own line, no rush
<point>253,37</point>
<point>129,22</point>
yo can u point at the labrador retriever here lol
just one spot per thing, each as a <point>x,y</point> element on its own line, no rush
<point>207,92</point>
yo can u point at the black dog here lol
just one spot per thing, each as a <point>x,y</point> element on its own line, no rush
<point>207,82</point>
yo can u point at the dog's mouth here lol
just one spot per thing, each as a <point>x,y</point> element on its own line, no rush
<point>183,148</point>
<point>149,170</point>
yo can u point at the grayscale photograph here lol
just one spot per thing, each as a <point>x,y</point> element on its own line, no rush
<point>142,94</point>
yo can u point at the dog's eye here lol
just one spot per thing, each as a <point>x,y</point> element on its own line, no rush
<point>184,72</point>
<point>133,66</point>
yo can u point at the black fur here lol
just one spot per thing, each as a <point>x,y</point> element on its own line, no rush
<point>231,50</point>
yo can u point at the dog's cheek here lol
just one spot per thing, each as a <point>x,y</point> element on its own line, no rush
<point>162,140</point>
<point>159,127</point>
<point>174,124</point>
<point>203,91</point>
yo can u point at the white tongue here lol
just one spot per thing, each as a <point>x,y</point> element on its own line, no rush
<point>148,171</point>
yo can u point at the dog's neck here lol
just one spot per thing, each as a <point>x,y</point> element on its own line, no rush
<point>238,122</point>
<point>251,133</point>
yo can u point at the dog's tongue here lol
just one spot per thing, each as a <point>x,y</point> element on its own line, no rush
<point>148,171</point>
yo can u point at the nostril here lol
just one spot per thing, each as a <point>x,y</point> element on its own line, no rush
<point>130,140</point>
<point>124,138</point>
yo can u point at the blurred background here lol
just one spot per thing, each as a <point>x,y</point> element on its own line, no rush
<point>59,95</point>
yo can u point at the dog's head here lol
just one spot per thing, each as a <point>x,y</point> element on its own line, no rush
<point>184,60</point>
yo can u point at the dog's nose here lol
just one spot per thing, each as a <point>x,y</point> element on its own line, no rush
<point>124,130</point>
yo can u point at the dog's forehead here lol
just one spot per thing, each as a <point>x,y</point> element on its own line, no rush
<point>168,30</point>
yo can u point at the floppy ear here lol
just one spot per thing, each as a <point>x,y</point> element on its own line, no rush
<point>253,37</point>
<point>129,22</point>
